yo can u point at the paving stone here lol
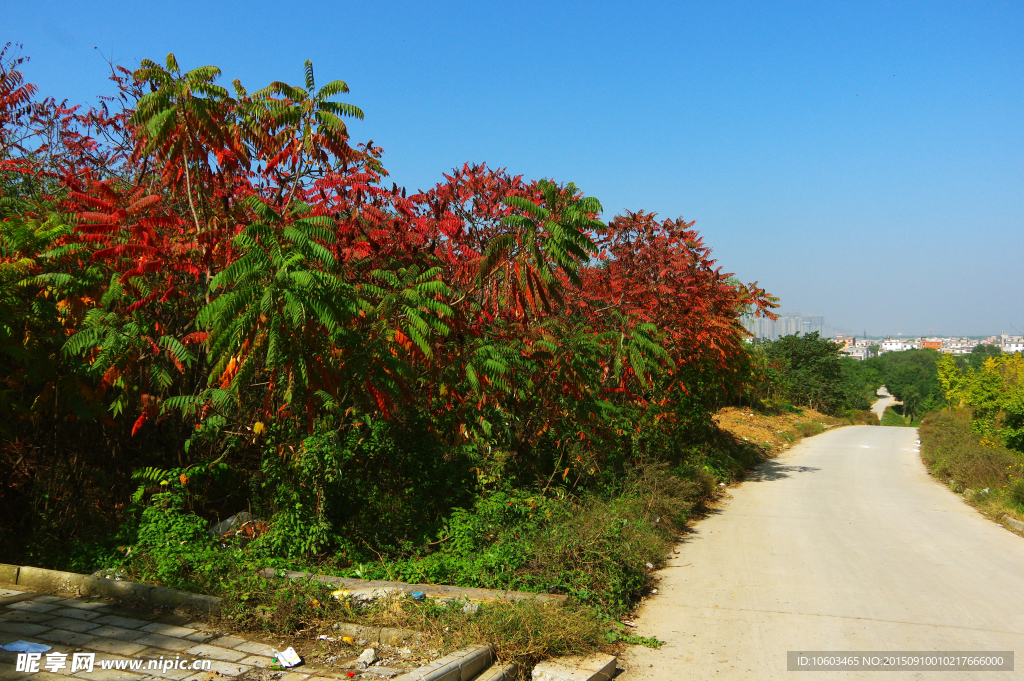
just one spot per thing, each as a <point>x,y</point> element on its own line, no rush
<point>202,636</point>
<point>124,622</point>
<point>200,626</point>
<point>222,668</point>
<point>109,631</point>
<point>32,606</point>
<point>47,599</point>
<point>98,674</point>
<point>167,629</point>
<point>40,676</point>
<point>133,613</point>
<point>165,642</point>
<point>25,616</point>
<point>22,628</point>
<point>294,676</point>
<point>257,661</point>
<point>170,673</point>
<point>71,624</point>
<point>254,648</point>
<point>216,652</point>
<point>228,641</point>
<point>4,593</point>
<point>116,646</point>
<point>84,605</point>
<point>76,613</point>
<point>70,638</point>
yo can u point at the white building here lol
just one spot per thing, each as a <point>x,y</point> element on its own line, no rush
<point>897,345</point>
<point>1010,343</point>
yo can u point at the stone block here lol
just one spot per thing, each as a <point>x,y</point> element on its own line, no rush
<point>123,622</point>
<point>506,672</point>
<point>167,629</point>
<point>216,652</point>
<point>165,642</point>
<point>120,633</point>
<point>70,624</point>
<point>52,581</point>
<point>596,667</point>
<point>253,648</point>
<point>1013,523</point>
<point>462,665</point>
<point>228,642</point>
<point>8,574</point>
<point>70,638</point>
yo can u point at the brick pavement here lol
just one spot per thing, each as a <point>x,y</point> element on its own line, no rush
<point>116,632</point>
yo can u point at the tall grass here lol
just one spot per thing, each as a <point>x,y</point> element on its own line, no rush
<point>987,474</point>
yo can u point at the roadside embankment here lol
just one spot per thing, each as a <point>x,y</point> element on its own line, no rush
<point>983,472</point>
<point>777,432</point>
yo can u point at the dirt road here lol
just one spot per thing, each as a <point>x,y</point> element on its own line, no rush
<point>844,543</point>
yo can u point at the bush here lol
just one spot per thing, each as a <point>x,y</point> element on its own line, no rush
<point>965,460</point>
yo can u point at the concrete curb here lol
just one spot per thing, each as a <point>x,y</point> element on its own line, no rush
<point>1014,523</point>
<point>462,665</point>
<point>55,581</point>
<point>596,667</point>
<point>388,635</point>
<point>432,590</point>
<point>506,672</point>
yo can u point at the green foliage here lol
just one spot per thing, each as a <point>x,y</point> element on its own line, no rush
<point>912,378</point>
<point>811,371</point>
<point>988,474</point>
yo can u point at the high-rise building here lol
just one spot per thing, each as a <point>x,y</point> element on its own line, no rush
<point>786,325</point>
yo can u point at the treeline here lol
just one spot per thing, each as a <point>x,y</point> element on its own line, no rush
<point>810,371</point>
<point>992,388</point>
<point>213,301</point>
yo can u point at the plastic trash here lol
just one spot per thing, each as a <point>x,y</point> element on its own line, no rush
<point>419,596</point>
<point>288,658</point>
<point>25,647</point>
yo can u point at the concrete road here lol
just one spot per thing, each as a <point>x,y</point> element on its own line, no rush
<point>885,401</point>
<point>845,543</point>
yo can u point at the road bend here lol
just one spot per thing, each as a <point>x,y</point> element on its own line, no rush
<point>845,544</point>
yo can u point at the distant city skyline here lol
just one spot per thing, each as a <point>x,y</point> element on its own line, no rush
<point>791,321</point>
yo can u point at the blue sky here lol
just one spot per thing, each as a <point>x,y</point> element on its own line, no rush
<point>864,161</point>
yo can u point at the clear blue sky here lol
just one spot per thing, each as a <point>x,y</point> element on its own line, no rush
<point>864,161</point>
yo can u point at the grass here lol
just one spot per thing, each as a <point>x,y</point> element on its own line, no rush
<point>523,632</point>
<point>596,548</point>
<point>987,475</point>
<point>893,416</point>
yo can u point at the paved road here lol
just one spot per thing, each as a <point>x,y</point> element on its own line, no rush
<point>884,403</point>
<point>845,543</point>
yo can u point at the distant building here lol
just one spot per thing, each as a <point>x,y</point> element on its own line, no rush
<point>897,345</point>
<point>930,343</point>
<point>786,325</point>
<point>1008,343</point>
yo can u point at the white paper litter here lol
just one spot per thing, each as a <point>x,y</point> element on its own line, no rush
<point>288,658</point>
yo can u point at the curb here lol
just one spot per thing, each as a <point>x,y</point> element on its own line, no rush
<point>1014,523</point>
<point>594,667</point>
<point>506,672</point>
<point>432,590</point>
<point>462,665</point>
<point>55,581</point>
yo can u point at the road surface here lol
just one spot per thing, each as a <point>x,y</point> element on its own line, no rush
<point>844,543</point>
<point>884,403</point>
